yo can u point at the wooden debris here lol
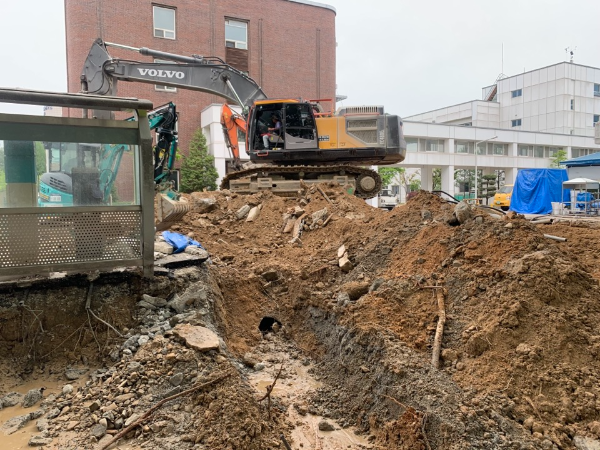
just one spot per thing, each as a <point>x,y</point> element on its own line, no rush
<point>439,332</point>
<point>555,238</point>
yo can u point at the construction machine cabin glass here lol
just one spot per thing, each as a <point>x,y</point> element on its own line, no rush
<point>50,173</point>
<point>84,174</point>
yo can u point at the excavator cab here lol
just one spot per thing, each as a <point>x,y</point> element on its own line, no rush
<point>298,127</point>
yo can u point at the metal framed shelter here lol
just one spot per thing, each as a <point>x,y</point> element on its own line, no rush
<point>584,194</point>
<point>86,236</point>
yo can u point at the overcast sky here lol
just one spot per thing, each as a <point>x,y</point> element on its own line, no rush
<point>410,56</point>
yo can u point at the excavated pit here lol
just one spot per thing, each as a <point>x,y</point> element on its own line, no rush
<point>337,302</point>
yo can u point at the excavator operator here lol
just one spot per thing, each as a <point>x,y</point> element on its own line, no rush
<point>274,131</point>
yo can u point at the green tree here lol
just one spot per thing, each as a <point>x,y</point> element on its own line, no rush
<point>436,176</point>
<point>410,181</point>
<point>558,158</point>
<point>390,175</point>
<point>198,170</point>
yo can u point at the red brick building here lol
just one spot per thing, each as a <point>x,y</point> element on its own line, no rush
<point>287,46</point>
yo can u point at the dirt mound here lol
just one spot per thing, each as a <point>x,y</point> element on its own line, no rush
<point>521,308</point>
<point>354,289</point>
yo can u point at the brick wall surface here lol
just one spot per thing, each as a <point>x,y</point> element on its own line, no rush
<point>291,46</point>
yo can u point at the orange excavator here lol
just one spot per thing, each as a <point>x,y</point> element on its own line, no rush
<point>312,146</point>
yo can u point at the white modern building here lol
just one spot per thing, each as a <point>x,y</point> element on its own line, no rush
<point>521,122</point>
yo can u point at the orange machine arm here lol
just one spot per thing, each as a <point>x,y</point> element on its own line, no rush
<point>231,122</point>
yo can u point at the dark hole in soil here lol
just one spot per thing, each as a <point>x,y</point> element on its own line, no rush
<point>266,324</point>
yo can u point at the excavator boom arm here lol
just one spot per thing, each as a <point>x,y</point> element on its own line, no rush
<point>211,75</point>
<point>231,123</point>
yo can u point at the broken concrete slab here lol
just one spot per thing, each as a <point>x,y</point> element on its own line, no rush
<point>196,251</point>
<point>197,337</point>
<point>254,213</point>
<point>155,301</point>
<point>242,212</point>
<point>163,247</point>
<point>181,260</point>
<point>345,264</point>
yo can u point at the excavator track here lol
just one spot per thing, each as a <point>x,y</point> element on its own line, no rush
<point>287,180</point>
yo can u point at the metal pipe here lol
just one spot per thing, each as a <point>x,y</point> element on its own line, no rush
<point>235,95</point>
<point>149,52</point>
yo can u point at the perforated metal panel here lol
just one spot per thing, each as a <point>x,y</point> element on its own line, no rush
<point>41,239</point>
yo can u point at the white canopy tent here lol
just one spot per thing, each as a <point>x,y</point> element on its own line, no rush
<point>585,194</point>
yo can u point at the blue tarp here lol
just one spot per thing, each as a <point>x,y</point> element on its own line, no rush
<point>536,189</point>
<point>178,241</point>
<point>587,160</point>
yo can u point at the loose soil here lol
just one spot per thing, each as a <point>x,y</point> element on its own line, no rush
<point>519,366</point>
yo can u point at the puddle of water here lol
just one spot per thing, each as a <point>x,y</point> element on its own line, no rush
<point>306,434</point>
<point>20,439</point>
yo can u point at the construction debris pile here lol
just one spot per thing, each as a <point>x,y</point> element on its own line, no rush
<point>355,301</point>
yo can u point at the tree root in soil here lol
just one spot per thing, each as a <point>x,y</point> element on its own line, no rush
<point>147,414</point>
<point>270,388</point>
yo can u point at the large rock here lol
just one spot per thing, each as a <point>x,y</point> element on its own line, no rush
<point>11,399</point>
<point>98,431</point>
<point>196,337</point>
<point>38,441</point>
<point>72,373</point>
<point>463,212</point>
<point>32,397</point>
<point>155,301</point>
<point>356,289</point>
<point>243,212</point>
<point>15,424</point>
<point>584,443</point>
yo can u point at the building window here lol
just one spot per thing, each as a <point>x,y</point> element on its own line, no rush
<point>596,90</point>
<point>412,145</point>
<point>468,124</point>
<point>499,149</point>
<point>517,93</point>
<point>524,150</point>
<point>164,22</point>
<point>538,151</point>
<point>596,119</point>
<point>515,123</point>
<point>464,147</point>
<point>236,34</point>
<point>434,145</point>
<point>160,87</point>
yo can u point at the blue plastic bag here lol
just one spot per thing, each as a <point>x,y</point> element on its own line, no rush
<point>179,241</point>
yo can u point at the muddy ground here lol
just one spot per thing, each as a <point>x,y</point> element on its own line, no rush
<point>351,348</point>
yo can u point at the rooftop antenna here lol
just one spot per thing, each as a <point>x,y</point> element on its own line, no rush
<point>571,53</point>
